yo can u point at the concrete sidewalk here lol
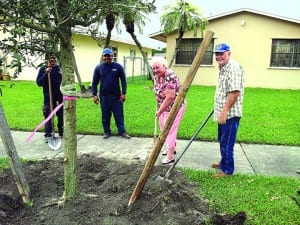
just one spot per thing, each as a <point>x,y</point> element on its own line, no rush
<point>269,160</point>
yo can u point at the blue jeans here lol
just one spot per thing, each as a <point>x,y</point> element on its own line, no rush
<point>109,105</point>
<point>226,136</point>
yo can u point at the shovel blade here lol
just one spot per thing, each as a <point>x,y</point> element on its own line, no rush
<point>54,143</point>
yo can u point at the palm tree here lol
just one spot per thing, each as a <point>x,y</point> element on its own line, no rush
<point>110,23</point>
<point>132,17</point>
<point>131,11</point>
<point>183,17</point>
<point>110,18</point>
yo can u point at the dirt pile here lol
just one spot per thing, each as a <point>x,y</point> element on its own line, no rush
<point>105,189</point>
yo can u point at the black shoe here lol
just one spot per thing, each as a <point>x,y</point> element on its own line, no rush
<point>125,135</point>
<point>106,135</point>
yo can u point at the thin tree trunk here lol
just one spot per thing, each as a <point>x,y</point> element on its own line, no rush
<point>106,45</point>
<point>13,158</point>
<point>138,44</point>
<point>71,174</point>
<point>82,88</point>
<point>110,24</point>
<point>176,49</point>
<point>175,108</point>
<point>107,40</point>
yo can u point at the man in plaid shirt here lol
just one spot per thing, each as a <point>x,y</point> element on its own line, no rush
<point>228,104</point>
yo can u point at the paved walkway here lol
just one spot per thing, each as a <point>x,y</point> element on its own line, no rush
<point>270,160</point>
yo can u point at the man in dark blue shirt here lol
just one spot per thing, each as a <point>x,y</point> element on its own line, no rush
<point>111,96</point>
<point>52,70</point>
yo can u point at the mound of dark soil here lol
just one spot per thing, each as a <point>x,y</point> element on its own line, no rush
<point>105,188</point>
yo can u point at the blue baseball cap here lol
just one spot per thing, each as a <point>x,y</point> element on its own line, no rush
<point>107,51</point>
<point>223,47</point>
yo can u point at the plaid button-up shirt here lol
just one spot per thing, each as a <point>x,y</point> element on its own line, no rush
<point>231,78</point>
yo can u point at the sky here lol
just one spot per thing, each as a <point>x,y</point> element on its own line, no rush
<point>285,8</point>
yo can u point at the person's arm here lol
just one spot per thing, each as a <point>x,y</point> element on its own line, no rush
<point>41,77</point>
<point>123,84</point>
<point>123,80</point>
<point>95,82</point>
<point>231,99</point>
<point>170,96</point>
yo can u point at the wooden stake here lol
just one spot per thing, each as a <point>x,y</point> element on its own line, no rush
<point>13,158</point>
<point>175,108</point>
<point>155,127</point>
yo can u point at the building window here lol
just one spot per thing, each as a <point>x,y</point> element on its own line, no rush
<point>188,49</point>
<point>115,53</point>
<point>132,54</point>
<point>285,53</point>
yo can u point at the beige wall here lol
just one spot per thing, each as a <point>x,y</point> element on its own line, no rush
<point>88,55</point>
<point>250,37</point>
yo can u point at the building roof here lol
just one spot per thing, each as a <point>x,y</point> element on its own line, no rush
<point>163,37</point>
<point>254,12</point>
<point>124,37</point>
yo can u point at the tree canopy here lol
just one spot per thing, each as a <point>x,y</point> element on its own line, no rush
<point>182,17</point>
<point>34,28</point>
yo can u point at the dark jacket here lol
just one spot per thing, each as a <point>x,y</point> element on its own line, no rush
<point>56,78</point>
<point>109,76</point>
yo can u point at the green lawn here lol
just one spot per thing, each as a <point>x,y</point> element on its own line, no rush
<point>270,117</point>
<point>266,200</point>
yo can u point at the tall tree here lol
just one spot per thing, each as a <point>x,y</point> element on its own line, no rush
<point>182,17</point>
<point>110,24</point>
<point>34,28</point>
<point>132,17</point>
<point>133,14</point>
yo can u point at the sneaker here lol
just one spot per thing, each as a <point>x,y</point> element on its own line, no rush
<point>106,135</point>
<point>167,161</point>
<point>125,135</point>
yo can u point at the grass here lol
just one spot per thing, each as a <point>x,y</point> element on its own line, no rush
<point>266,200</point>
<point>270,117</point>
<point>3,163</point>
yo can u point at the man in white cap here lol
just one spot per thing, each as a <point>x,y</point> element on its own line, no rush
<point>227,107</point>
<point>111,96</point>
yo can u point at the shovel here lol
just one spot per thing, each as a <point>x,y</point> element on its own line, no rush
<point>155,127</point>
<point>53,142</point>
<point>185,149</point>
